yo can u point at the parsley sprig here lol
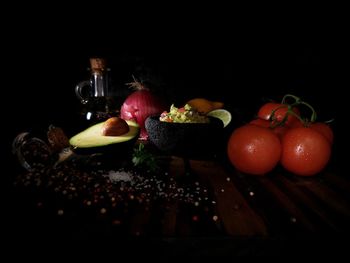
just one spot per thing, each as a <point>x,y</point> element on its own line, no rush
<point>143,159</point>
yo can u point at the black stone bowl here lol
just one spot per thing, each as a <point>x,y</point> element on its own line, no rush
<point>185,139</point>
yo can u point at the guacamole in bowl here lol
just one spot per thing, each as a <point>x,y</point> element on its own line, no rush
<point>180,132</point>
<point>185,114</point>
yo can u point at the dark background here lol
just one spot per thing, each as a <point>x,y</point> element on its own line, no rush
<point>243,57</point>
<point>243,67</point>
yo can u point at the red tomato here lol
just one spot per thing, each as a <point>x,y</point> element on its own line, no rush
<point>253,149</point>
<point>266,110</point>
<point>261,123</point>
<point>280,131</point>
<point>297,124</point>
<point>324,129</point>
<point>305,151</point>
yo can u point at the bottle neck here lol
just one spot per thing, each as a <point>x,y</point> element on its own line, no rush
<point>99,83</point>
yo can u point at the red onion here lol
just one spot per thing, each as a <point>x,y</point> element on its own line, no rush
<point>139,105</point>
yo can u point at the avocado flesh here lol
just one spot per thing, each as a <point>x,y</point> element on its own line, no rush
<point>92,136</point>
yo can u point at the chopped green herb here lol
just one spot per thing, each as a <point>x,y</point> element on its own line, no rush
<point>144,159</point>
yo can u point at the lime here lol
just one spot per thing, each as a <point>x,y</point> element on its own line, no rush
<point>222,114</point>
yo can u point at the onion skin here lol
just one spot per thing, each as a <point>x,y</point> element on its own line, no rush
<point>138,106</point>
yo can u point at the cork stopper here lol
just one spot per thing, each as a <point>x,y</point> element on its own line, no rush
<point>97,64</point>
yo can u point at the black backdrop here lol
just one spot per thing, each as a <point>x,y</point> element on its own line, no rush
<point>239,61</point>
<point>242,70</point>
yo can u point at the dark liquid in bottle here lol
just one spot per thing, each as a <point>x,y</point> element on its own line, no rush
<point>99,109</point>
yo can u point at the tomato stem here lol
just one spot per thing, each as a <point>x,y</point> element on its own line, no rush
<point>329,121</point>
<point>314,114</point>
<point>296,99</point>
<point>291,112</point>
<point>273,122</point>
<point>297,102</point>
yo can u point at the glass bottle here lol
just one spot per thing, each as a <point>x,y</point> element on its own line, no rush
<point>95,93</point>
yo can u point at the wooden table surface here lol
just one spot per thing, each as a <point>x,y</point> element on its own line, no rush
<point>226,205</point>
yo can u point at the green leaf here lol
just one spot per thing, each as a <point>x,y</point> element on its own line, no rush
<point>144,159</point>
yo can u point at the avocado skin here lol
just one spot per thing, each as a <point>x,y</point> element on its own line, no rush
<point>185,139</point>
<point>120,149</point>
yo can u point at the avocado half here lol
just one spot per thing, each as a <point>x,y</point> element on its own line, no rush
<point>185,139</point>
<point>92,141</point>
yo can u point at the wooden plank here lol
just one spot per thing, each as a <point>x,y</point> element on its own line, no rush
<point>146,218</point>
<point>236,215</point>
<point>278,220</point>
<point>312,205</point>
<point>140,219</point>
<point>286,203</point>
<point>176,169</point>
<point>327,195</point>
<point>341,183</point>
